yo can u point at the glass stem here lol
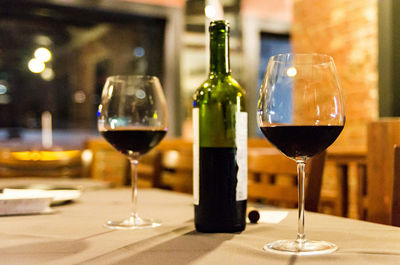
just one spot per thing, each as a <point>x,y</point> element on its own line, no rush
<point>301,173</point>
<point>134,163</point>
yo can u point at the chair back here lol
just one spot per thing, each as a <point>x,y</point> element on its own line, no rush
<point>109,165</point>
<point>272,178</point>
<point>177,165</point>
<point>396,188</point>
<point>382,173</point>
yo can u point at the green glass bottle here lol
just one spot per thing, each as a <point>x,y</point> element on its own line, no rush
<point>220,143</point>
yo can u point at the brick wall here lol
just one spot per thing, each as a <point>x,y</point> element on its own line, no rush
<point>346,30</point>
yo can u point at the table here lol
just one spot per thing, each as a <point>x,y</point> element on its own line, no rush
<point>74,234</point>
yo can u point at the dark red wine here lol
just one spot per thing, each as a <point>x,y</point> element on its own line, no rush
<point>218,210</point>
<point>135,140</point>
<point>297,141</point>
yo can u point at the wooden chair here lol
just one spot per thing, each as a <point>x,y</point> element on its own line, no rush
<point>176,164</point>
<point>392,196</point>
<point>396,188</point>
<point>381,201</point>
<point>109,165</point>
<point>272,178</point>
<point>177,170</point>
<point>149,170</point>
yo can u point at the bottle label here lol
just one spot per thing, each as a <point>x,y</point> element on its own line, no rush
<point>241,156</point>
<point>196,159</point>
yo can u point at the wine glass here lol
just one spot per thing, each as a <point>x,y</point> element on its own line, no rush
<point>132,117</point>
<point>301,112</point>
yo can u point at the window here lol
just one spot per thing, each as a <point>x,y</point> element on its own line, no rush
<point>86,45</point>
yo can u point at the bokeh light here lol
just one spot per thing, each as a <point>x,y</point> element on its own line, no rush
<point>36,66</point>
<point>42,54</point>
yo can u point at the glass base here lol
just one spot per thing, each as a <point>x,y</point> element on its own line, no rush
<point>133,223</point>
<point>294,247</point>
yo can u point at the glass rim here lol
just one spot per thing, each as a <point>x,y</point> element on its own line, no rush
<point>127,77</point>
<point>284,57</point>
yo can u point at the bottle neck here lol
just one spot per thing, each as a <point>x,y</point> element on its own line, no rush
<point>219,53</point>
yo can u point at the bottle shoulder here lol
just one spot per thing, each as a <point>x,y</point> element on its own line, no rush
<point>219,88</point>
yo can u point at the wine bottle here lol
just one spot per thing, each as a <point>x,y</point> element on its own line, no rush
<point>220,143</point>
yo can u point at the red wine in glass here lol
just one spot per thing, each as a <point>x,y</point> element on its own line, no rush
<point>301,112</point>
<point>132,117</point>
<point>301,140</point>
<point>140,140</point>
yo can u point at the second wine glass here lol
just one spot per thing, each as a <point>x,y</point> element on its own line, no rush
<point>301,112</point>
<point>132,118</point>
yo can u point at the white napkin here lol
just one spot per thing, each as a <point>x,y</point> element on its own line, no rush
<point>13,204</point>
<point>57,195</point>
<point>33,201</point>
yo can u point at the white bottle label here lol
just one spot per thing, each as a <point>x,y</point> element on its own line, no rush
<point>241,156</point>
<point>196,158</point>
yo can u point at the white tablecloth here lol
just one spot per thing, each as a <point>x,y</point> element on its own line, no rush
<point>74,234</point>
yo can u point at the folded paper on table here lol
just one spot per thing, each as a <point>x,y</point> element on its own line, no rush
<point>16,204</point>
<point>57,195</point>
<point>34,201</point>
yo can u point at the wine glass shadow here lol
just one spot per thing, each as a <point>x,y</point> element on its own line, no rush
<point>180,250</point>
<point>41,252</point>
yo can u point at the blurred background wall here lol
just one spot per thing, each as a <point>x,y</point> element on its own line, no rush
<point>348,31</point>
<point>90,40</point>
